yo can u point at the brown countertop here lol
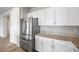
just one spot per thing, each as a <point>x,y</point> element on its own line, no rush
<point>74,40</point>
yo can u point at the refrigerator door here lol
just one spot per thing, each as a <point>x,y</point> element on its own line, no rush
<point>23,26</point>
<point>29,26</point>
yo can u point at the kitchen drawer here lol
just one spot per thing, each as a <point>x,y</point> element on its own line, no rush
<point>64,46</point>
<point>63,43</point>
<point>61,48</point>
<point>60,42</point>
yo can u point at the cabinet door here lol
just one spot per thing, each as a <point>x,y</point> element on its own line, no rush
<point>61,48</point>
<point>38,44</point>
<point>34,14</point>
<point>50,16</point>
<point>61,16</point>
<point>73,16</point>
<point>41,16</point>
<point>48,45</point>
<point>29,14</point>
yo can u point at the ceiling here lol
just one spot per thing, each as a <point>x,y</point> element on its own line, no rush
<point>4,9</point>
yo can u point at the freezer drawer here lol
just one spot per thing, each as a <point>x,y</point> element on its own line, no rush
<point>26,45</point>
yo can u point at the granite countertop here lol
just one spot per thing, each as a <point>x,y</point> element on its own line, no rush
<point>74,40</point>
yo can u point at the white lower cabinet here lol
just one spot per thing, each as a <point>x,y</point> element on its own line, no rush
<point>48,45</point>
<point>38,44</point>
<point>62,48</point>
<point>43,44</point>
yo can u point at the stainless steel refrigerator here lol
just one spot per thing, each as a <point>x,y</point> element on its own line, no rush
<point>28,28</point>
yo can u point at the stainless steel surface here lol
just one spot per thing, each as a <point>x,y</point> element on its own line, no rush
<point>26,37</point>
<point>22,25</point>
<point>29,27</point>
<point>27,45</point>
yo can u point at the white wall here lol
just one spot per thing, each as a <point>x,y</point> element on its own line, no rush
<point>14,25</point>
<point>2,23</point>
<point>1,26</point>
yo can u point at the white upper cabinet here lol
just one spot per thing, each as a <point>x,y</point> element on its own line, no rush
<point>41,16</point>
<point>24,11</point>
<point>38,13</point>
<point>61,16</point>
<point>34,14</point>
<point>50,16</point>
<point>29,14</point>
<point>73,16</point>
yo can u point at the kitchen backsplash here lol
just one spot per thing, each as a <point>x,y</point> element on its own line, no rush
<point>62,30</point>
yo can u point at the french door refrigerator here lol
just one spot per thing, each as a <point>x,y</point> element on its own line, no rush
<point>28,29</point>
